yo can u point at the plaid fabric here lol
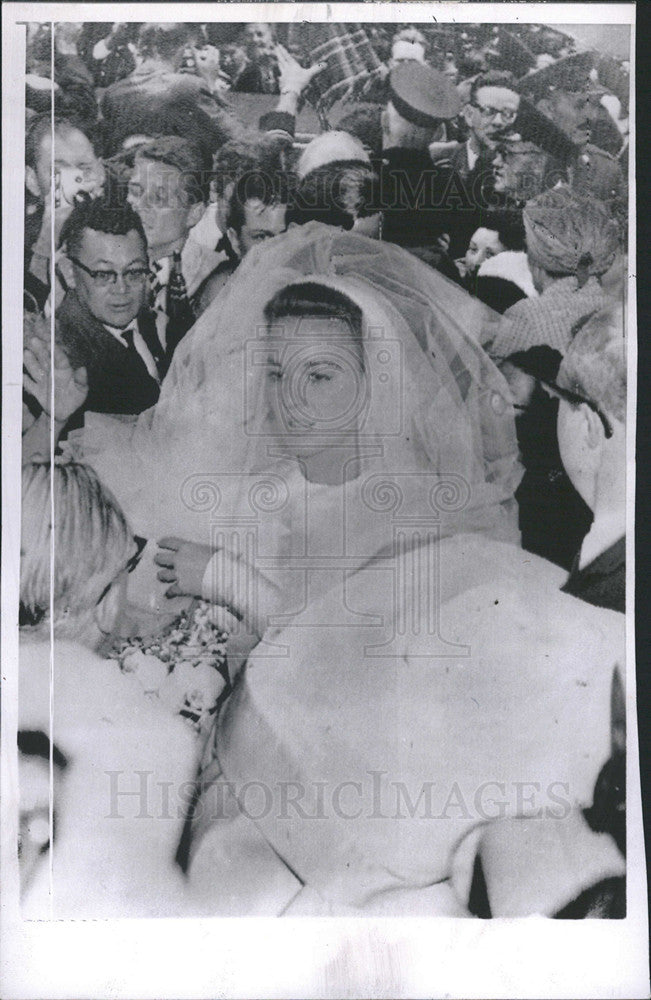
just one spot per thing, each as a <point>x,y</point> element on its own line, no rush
<point>158,278</point>
<point>549,319</point>
<point>350,57</point>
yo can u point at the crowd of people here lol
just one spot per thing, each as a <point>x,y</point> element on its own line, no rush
<point>324,468</point>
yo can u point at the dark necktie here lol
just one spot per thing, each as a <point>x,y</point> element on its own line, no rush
<point>149,361</point>
<point>127,337</point>
<point>140,388</point>
<point>180,314</point>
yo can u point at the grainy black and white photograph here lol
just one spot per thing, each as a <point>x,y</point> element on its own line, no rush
<point>326,469</point>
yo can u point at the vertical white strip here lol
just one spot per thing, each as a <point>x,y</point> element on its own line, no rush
<point>52,512</point>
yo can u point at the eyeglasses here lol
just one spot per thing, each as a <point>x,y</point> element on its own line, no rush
<point>575,399</point>
<point>132,276</point>
<point>130,566</point>
<point>506,114</point>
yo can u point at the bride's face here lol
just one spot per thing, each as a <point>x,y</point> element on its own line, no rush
<point>315,387</point>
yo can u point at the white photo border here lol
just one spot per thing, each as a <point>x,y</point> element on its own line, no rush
<point>300,957</point>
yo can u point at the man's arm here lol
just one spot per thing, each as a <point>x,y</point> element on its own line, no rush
<point>293,80</point>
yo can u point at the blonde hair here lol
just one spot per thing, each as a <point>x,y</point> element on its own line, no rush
<point>92,543</point>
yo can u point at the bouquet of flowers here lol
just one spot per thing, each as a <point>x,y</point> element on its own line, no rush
<point>184,666</point>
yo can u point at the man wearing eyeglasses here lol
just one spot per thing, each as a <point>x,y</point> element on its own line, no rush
<point>489,114</point>
<point>496,109</point>
<point>103,323</point>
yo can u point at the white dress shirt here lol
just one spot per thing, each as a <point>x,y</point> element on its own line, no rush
<point>472,155</point>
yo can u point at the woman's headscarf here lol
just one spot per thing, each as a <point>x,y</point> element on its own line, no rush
<point>570,235</point>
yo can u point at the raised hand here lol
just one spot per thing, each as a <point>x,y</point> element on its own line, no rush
<point>207,62</point>
<point>294,78</point>
<point>70,385</point>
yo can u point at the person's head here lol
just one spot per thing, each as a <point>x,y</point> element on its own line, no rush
<point>474,60</point>
<point>315,370</point>
<point>574,112</point>
<point>239,156</point>
<point>492,108</point>
<point>365,124</point>
<point>232,59</point>
<point>450,68</point>
<point>522,170</point>
<point>524,369</point>
<point>76,165</point>
<point>169,189</point>
<point>592,408</point>
<point>66,36</point>
<point>410,34</point>
<point>398,131</point>
<point>547,40</point>
<point>521,384</point>
<point>77,103</point>
<point>420,100</point>
<point>484,243</point>
<point>408,44</point>
<point>93,550</point>
<point>259,39</point>
<point>166,42</point>
<point>338,194</point>
<point>508,225</point>
<point>257,209</point>
<point>107,264</point>
<point>39,50</point>
<point>330,147</point>
<point>178,117</point>
<point>568,235</point>
<point>257,152</point>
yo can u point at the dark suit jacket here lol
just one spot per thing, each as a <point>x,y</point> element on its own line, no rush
<point>421,200</point>
<point>132,105</point>
<point>414,198</point>
<point>458,160</point>
<point>253,80</point>
<point>118,380</point>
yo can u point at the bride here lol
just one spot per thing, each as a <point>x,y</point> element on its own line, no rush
<point>407,673</point>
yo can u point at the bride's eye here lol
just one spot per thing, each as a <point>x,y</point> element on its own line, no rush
<point>324,371</point>
<point>320,376</point>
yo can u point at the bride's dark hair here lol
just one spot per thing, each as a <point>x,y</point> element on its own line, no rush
<point>309,298</point>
